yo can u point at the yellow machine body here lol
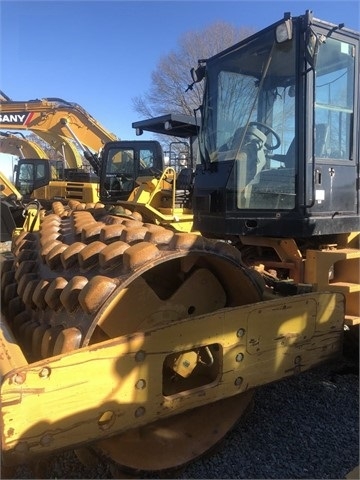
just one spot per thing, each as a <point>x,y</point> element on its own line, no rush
<point>58,117</point>
<point>87,192</point>
<point>126,333</point>
<point>155,200</point>
<point>48,404</point>
<point>8,188</point>
<point>68,129</point>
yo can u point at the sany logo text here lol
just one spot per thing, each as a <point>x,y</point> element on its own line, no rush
<point>18,118</point>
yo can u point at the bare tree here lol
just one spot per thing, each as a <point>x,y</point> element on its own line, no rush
<point>170,79</point>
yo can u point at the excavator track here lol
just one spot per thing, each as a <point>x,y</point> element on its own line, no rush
<point>88,276</point>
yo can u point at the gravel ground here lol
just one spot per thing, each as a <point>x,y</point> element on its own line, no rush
<point>5,247</point>
<point>303,427</point>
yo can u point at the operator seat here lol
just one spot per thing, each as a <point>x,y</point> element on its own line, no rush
<point>321,138</point>
<point>274,185</point>
<point>250,156</point>
<point>289,157</point>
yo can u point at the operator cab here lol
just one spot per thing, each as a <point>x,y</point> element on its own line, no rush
<point>278,133</point>
<point>122,162</point>
<point>34,173</point>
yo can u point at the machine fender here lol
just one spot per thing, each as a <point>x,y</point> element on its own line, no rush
<point>110,387</point>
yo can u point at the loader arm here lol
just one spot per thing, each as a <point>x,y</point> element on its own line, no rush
<point>8,188</point>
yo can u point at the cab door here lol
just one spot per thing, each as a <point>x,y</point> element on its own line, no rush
<point>335,144</point>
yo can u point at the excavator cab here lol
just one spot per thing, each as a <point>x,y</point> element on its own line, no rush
<point>278,145</point>
<point>122,162</point>
<point>34,173</point>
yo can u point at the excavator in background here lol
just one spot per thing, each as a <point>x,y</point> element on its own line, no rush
<point>18,145</point>
<point>126,339</point>
<point>34,176</point>
<point>14,212</point>
<point>55,115</point>
<point>65,155</point>
<point>69,129</point>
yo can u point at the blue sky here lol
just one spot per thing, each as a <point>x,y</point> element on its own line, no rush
<point>100,54</point>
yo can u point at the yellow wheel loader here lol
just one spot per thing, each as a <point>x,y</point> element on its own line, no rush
<point>143,344</point>
<point>159,197</point>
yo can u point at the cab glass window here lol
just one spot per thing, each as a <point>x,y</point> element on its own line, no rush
<point>334,99</point>
<point>146,159</point>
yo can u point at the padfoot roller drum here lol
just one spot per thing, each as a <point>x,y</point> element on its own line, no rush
<point>143,343</point>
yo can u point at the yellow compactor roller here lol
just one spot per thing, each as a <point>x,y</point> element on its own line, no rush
<point>143,344</point>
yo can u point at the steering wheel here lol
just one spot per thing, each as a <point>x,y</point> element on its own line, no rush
<point>124,177</point>
<point>267,130</point>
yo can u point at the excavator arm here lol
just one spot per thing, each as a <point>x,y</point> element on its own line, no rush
<point>23,147</point>
<point>57,117</point>
<point>20,146</point>
<point>65,147</point>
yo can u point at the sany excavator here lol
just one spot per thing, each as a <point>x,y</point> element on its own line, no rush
<point>54,115</point>
<point>69,129</point>
<point>35,176</point>
<point>123,338</point>
<point>27,150</point>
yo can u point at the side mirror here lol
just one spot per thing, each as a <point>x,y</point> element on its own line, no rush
<point>197,74</point>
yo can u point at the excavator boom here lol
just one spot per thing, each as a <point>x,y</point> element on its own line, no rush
<point>55,116</point>
<point>72,132</point>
